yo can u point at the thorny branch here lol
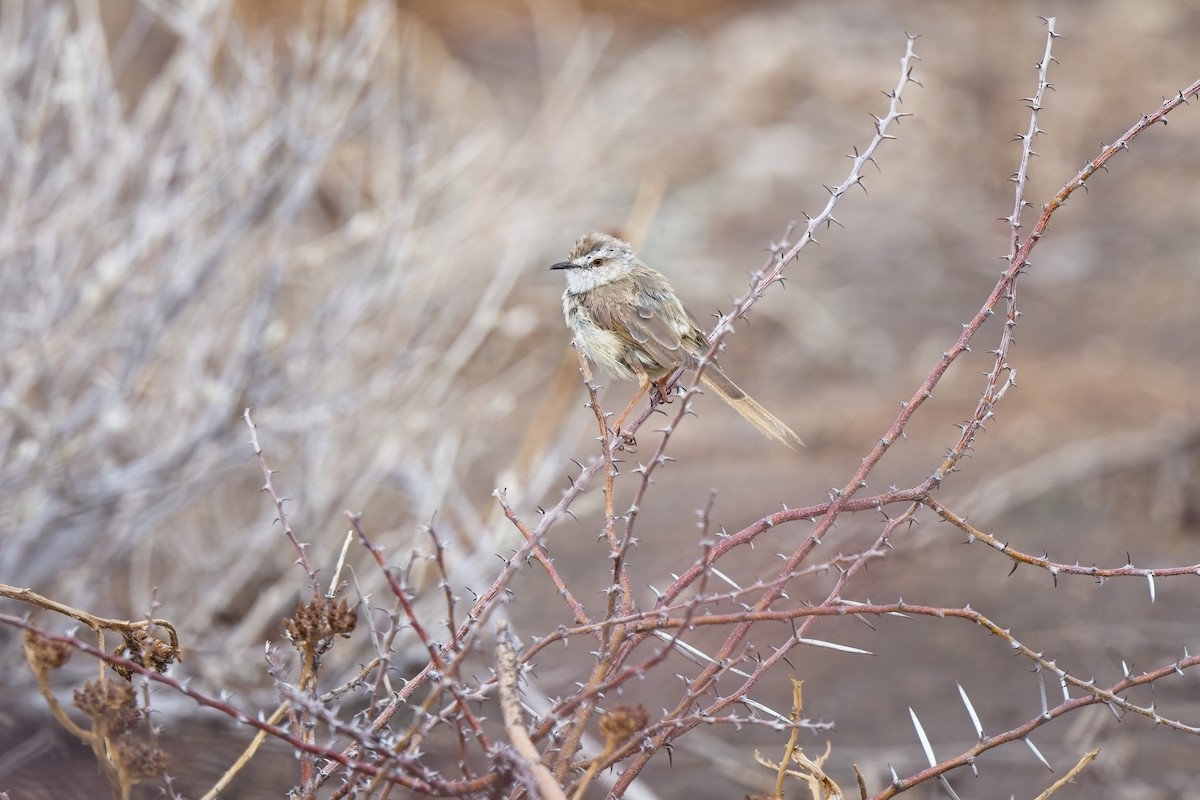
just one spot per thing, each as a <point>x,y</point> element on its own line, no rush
<point>282,519</point>
<point>999,380</point>
<point>373,755</point>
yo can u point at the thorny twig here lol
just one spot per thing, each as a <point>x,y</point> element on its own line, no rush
<point>624,627</point>
<point>269,487</point>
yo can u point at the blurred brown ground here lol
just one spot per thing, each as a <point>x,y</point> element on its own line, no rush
<point>762,102</point>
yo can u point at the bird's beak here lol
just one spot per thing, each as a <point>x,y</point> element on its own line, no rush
<point>564,265</point>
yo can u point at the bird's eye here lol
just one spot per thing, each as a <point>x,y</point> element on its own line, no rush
<point>599,261</point>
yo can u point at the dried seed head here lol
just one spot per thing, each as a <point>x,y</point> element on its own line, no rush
<point>45,653</point>
<point>106,702</point>
<point>623,723</point>
<point>314,623</point>
<point>125,720</point>
<point>141,758</point>
<point>147,650</point>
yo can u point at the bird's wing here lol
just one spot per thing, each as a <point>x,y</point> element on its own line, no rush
<point>643,329</point>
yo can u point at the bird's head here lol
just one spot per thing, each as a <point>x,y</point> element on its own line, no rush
<point>595,260</point>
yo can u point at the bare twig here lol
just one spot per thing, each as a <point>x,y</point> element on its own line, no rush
<point>269,488</point>
<point>1079,767</point>
<point>514,724</point>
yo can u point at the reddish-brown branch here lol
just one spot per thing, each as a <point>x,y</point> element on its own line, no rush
<point>447,789</point>
<point>923,393</point>
<point>539,553</point>
<point>449,677</point>
<point>1055,568</point>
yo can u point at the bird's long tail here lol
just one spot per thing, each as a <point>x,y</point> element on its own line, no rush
<point>771,426</point>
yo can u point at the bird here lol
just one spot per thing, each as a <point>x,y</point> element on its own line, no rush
<point>629,320</point>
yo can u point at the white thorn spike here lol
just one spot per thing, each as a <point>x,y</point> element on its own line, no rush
<point>725,578</point>
<point>768,711</point>
<point>971,710</point>
<point>946,785</point>
<point>841,648</point>
<point>1037,753</point>
<point>924,739</point>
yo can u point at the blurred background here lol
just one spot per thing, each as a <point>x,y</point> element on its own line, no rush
<point>341,214</point>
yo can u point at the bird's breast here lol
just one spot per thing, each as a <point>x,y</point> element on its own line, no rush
<point>603,346</point>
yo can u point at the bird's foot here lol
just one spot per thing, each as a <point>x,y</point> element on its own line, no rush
<point>628,443</point>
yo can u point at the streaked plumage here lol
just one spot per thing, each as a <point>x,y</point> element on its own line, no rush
<point>630,321</point>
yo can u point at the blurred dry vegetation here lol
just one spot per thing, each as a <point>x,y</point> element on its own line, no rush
<point>341,217</point>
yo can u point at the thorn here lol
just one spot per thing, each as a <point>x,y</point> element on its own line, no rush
<point>841,648</point>
<point>946,785</point>
<point>971,711</point>
<point>924,739</point>
<point>1037,753</point>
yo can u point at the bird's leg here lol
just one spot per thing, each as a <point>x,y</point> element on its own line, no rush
<point>643,384</point>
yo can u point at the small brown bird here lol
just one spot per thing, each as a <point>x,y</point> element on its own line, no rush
<point>631,322</point>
